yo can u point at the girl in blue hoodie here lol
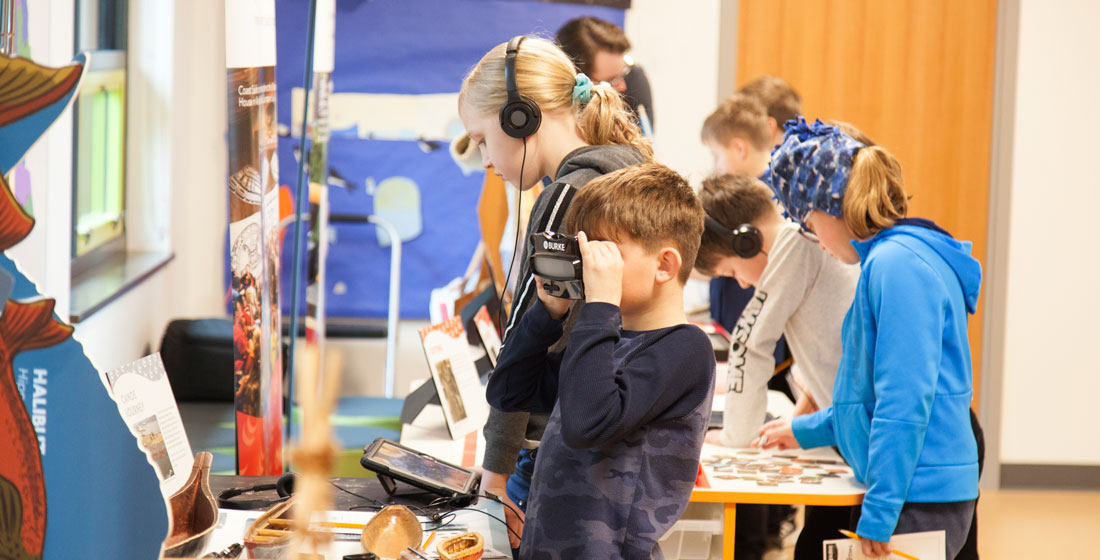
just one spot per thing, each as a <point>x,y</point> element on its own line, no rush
<point>901,401</point>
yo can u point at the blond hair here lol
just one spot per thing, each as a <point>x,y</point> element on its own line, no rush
<point>851,130</point>
<point>739,116</point>
<point>781,100</point>
<point>545,75</point>
<point>732,200</point>
<point>648,203</point>
<point>875,197</point>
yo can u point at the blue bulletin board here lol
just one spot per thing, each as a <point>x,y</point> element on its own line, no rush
<point>400,60</point>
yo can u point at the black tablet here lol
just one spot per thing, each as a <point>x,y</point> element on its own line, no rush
<point>389,458</point>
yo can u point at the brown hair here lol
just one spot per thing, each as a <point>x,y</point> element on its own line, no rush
<point>739,116</point>
<point>580,38</point>
<point>546,76</point>
<point>781,101</point>
<point>875,197</point>
<point>648,203</point>
<point>732,200</point>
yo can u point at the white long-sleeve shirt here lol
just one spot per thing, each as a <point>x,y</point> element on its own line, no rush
<point>804,293</point>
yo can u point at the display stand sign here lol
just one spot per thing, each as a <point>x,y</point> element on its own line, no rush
<point>254,235</point>
<point>455,378</point>
<point>487,330</point>
<point>145,402</point>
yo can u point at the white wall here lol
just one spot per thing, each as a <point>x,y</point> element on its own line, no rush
<point>1051,378</point>
<point>176,176</point>
<point>43,255</point>
<point>176,194</point>
<point>677,44</point>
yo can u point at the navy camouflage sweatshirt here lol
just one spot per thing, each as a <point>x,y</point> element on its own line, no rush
<point>628,411</point>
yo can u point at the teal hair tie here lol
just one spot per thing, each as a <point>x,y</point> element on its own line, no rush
<point>582,91</point>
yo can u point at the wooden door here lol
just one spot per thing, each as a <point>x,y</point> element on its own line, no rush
<point>914,75</point>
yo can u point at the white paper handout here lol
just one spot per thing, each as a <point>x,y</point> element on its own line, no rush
<point>455,376</point>
<point>929,545</point>
<point>145,401</point>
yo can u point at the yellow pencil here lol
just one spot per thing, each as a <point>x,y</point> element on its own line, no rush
<point>852,535</point>
<point>288,523</point>
<point>428,541</point>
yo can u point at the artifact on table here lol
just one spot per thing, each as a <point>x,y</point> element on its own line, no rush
<point>194,512</point>
<point>391,531</point>
<point>268,536</point>
<point>467,546</point>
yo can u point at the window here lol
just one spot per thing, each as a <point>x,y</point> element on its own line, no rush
<point>99,171</point>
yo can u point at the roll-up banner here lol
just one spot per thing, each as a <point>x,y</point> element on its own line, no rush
<point>254,234</point>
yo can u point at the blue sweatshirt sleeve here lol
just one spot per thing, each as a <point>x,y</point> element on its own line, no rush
<point>814,430</point>
<point>526,376</point>
<point>909,301</point>
<point>603,400</point>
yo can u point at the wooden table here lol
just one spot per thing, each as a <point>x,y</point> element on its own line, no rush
<point>841,491</point>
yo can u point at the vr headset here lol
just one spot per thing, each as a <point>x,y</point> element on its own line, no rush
<point>557,260</point>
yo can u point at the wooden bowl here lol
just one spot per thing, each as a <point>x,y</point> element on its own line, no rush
<point>467,546</point>
<point>391,531</point>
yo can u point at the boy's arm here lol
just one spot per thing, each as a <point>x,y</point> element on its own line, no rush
<point>815,429</point>
<point>908,301</point>
<point>791,270</point>
<point>526,376</point>
<point>601,403</point>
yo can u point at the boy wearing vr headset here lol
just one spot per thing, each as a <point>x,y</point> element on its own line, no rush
<point>629,396</point>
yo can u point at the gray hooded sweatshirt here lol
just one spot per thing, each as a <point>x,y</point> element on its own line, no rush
<point>508,432</point>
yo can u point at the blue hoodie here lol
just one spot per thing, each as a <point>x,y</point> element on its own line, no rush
<point>901,401</point>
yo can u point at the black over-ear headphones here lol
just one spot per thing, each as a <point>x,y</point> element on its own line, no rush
<point>745,240</point>
<point>519,117</point>
<point>284,487</point>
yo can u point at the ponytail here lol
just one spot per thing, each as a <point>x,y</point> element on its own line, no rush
<point>545,75</point>
<point>875,197</point>
<point>606,119</point>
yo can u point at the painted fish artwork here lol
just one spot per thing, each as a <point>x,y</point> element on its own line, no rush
<point>50,393</point>
<point>31,98</point>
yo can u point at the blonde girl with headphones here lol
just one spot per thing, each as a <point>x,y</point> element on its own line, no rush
<point>533,116</point>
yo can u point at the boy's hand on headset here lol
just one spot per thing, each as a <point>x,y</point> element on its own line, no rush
<point>557,307</point>
<point>603,270</point>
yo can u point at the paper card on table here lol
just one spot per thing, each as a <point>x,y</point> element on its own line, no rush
<point>145,401</point>
<point>929,545</point>
<point>456,381</point>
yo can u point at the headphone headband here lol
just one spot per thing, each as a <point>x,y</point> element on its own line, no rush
<point>745,241</point>
<point>510,68</point>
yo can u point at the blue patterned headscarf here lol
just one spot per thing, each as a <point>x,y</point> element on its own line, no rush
<point>810,169</point>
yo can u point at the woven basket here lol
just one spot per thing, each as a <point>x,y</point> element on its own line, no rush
<point>467,546</point>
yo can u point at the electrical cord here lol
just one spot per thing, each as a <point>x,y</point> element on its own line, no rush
<point>515,245</point>
<point>497,499</point>
<point>505,523</point>
<point>438,520</point>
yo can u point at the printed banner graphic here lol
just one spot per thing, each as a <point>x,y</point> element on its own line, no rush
<point>254,250</point>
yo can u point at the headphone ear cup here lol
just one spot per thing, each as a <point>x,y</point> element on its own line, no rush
<point>747,242</point>
<point>520,119</point>
<point>285,485</point>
